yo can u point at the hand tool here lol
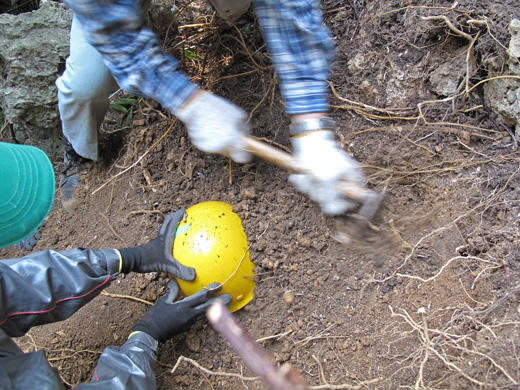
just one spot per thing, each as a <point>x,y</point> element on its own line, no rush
<point>283,378</point>
<point>369,200</point>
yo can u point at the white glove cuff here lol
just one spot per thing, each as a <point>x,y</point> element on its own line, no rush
<point>190,108</point>
<point>312,141</point>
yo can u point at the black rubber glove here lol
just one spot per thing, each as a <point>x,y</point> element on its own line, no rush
<point>157,255</point>
<point>167,318</point>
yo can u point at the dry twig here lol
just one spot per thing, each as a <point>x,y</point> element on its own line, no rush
<point>138,160</point>
<point>127,297</point>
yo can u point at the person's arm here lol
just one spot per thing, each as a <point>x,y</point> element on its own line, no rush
<point>132,367</point>
<point>50,286</point>
<point>140,66</point>
<point>301,49</point>
<point>132,51</point>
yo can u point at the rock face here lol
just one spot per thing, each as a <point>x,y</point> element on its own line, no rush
<point>503,94</point>
<point>33,49</point>
<point>447,78</point>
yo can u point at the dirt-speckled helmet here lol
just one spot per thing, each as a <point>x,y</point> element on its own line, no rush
<point>211,239</point>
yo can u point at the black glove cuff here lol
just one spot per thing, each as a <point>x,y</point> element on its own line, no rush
<point>158,329</point>
<point>129,259</point>
<point>141,328</point>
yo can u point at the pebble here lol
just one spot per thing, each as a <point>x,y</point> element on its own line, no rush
<point>288,297</point>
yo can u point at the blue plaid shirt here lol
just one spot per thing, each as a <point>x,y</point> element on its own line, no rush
<point>298,43</point>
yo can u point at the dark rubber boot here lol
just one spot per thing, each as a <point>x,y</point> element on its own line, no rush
<point>73,166</point>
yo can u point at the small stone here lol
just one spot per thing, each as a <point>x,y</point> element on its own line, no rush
<point>193,342</point>
<point>288,297</point>
<point>304,241</point>
<point>182,380</point>
<point>248,193</point>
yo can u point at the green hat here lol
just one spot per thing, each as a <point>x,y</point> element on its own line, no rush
<point>26,191</point>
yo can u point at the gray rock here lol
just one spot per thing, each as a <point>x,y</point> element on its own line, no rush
<point>33,50</point>
<point>502,95</point>
<point>447,78</point>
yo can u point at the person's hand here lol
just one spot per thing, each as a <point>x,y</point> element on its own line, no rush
<point>216,125</point>
<point>157,255</point>
<point>167,318</point>
<point>324,164</point>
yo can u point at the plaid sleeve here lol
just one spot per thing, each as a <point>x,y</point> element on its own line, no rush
<point>131,51</point>
<point>301,49</point>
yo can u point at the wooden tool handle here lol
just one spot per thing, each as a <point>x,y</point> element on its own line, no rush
<point>287,378</point>
<point>285,160</point>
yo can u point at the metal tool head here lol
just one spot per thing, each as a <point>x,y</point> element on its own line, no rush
<point>369,201</point>
<point>370,205</point>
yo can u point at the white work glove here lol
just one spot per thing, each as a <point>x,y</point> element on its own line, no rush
<point>325,163</point>
<point>216,125</point>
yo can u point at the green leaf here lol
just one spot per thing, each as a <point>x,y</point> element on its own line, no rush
<point>189,53</point>
<point>119,107</point>
<point>129,117</point>
<point>126,101</point>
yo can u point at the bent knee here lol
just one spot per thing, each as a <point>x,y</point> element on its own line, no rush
<point>86,84</point>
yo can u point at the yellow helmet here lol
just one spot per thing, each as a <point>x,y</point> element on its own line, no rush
<point>211,239</point>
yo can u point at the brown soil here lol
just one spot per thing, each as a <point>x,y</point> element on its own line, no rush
<point>428,301</point>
